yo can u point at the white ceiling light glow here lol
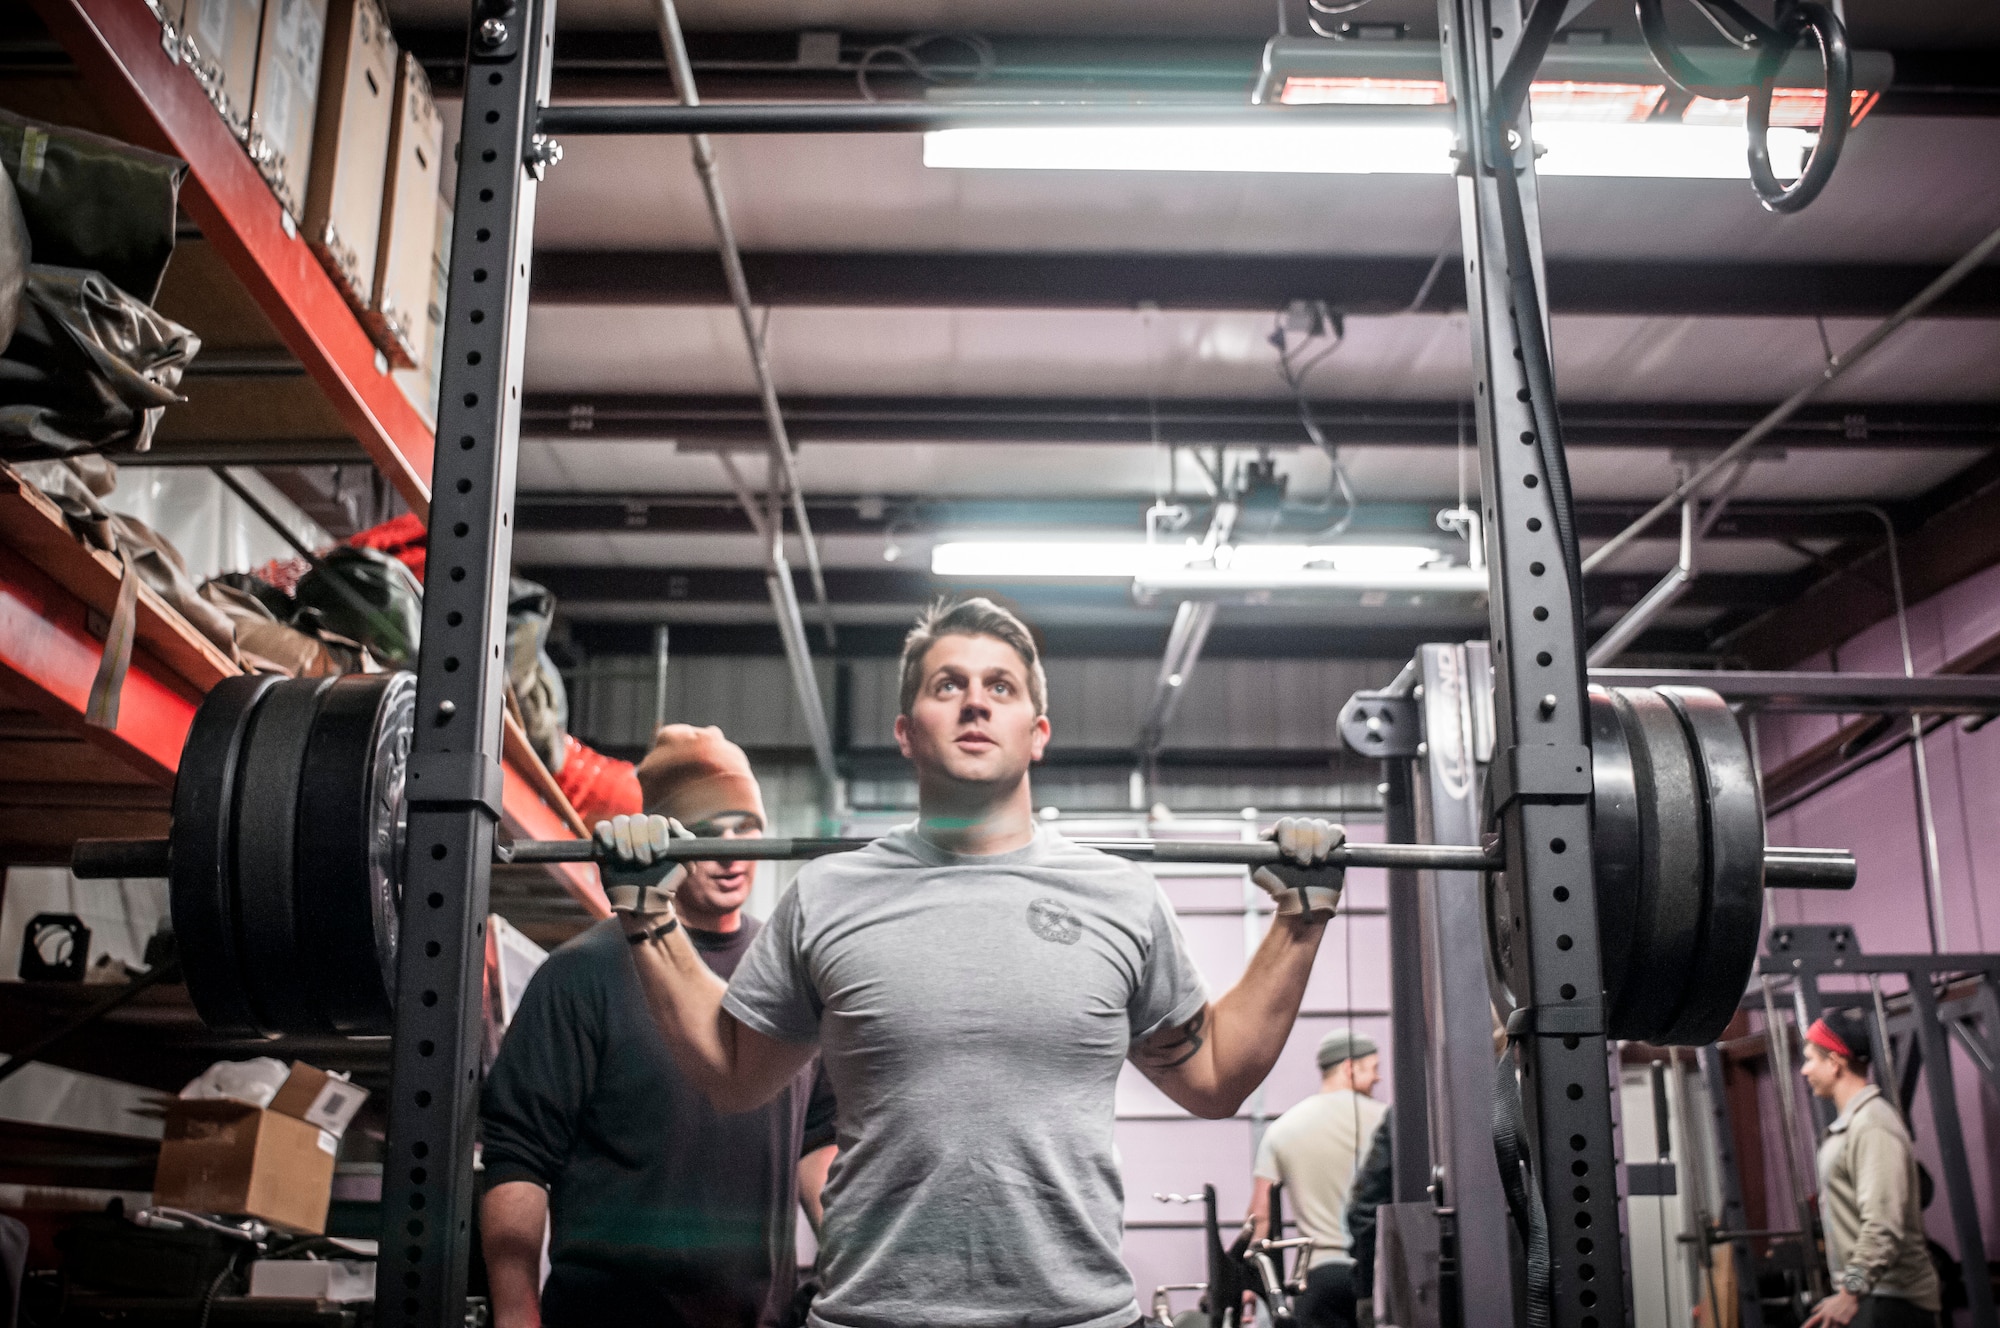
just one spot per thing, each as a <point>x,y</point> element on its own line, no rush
<point>1314,149</point>
<point>1023,559</point>
<point>1107,560</point>
<point>1658,150</point>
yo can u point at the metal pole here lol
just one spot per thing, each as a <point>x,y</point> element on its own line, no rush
<point>1545,940</point>
<point>1919,760</point>
<point>891,117</point>
<point>1192,621</point>
<point>1835,368</point>
<point>791,626</point>
<point>792,631</point>
<point>1457,1002</point>
<point>453,777</point>
<point>1892,1079</point>
<point>1949,1135</point>
<point>682,71</point>
<point>1749,1312</point>
<point>1655,601</point>
<point>1411,1147</point>
<point>1778,1048</point>
<point>659,677</point>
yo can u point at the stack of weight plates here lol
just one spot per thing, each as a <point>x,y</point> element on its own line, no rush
<point>287,853</point>
<point>1678,845</point>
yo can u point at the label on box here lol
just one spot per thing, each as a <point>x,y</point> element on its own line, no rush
<point>335,1105</point>
<point>328,1144</point>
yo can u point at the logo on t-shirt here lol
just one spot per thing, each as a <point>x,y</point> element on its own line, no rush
<point>1051,920</point>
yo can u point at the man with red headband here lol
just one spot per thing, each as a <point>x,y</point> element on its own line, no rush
<point>1868,1190</point>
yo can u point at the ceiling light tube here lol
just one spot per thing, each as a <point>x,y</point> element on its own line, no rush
<point>1196,582</point>
<point>1119,560</point>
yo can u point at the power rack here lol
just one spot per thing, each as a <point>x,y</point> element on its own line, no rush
<point>1564,1266</point>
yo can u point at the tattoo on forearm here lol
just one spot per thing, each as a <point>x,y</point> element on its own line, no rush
<point>1178,1045</point>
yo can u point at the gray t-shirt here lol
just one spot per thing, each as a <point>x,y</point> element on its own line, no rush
<point>972,1014</point>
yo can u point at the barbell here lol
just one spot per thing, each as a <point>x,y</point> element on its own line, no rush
<point>284,861</point>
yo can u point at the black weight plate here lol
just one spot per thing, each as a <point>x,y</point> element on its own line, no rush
<point>350,847</point>
<point>1735,829</point>
<point>200,888</point>
<point>1617,844</point>
<point>1667,909</point>
<point>267,810</point>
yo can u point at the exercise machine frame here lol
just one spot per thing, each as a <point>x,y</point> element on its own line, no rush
<point>1810,953</point>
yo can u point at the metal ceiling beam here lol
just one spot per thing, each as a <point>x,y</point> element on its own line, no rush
<point>600,64</point>
<point>869,514</point>
<point>912,586</point>
<point>1238,282</point>
<point>1952,534</point>
<point>718,420</point>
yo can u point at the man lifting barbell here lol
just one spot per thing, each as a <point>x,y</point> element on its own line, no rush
<point>974,982</point>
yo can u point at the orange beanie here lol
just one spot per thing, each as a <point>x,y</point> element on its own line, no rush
<point>692,774</point>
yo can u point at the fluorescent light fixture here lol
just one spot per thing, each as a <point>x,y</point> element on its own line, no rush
<point>1659,150</point>
<point>1664,151</point>
<point>1370,588</point>
<point>1120,560</point>
<point>1309,149</point>
<point>1078,560</point>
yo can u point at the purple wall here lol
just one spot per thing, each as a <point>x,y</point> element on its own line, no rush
<point>1873,812</point>
<point>1162,1148</point>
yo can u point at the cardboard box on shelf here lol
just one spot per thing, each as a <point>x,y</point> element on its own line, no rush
<point>275,1163</point>
<point>421,384</point>
<point>281,112</point>
<point>169,12</point>
<point>219,41</point>
<point>350,154</point>
<point>409,218</point>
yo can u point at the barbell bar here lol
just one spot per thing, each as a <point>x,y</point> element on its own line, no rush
<point>291,819</point>
<point>1784,868</point>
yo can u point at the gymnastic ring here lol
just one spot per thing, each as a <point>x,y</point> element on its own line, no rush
<point>1793,23</point>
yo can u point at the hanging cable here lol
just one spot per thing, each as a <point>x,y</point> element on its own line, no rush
<point>909,55</point>
<point>1294,366</point>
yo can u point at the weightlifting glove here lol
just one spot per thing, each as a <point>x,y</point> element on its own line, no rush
<point>1303,883</point>
<point>638,879</point>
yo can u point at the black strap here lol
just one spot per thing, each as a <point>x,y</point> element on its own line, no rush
<point>1524,1196</point>
<point>656,933</point>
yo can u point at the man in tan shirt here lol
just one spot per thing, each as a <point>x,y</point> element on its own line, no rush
<point>1868,1191</point>
<point>1312,1150</point>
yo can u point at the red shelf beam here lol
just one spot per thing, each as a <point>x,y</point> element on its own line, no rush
<point>156,103</point>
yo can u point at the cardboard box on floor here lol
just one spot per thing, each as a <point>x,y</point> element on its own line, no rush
<point>273,1163</point>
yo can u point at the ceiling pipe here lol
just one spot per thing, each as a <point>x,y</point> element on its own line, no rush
<point>791,624</point>
<point>1190,632</point>
<point>682,70</point>
<point>1836,366</point>
<point>1654,602</point>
